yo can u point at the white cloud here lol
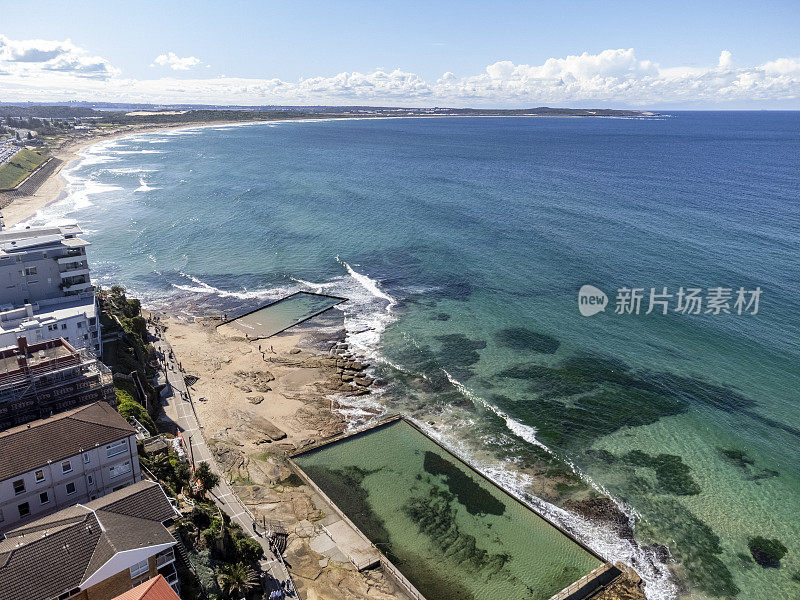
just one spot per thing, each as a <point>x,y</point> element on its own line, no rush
<point>25,58</point>
<point>175,62</point>
<point>41,70</point>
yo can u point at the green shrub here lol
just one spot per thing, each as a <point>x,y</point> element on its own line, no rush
<point>128,407</point>
<point>248,550</point>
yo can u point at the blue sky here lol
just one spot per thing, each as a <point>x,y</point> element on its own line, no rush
<point>413,44</point>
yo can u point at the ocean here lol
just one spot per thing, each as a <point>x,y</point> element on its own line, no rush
<point>462,244</point>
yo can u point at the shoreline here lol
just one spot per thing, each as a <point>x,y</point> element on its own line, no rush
<point>227,408</point>
<point>53,188</point>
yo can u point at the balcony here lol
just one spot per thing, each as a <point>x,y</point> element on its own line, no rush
<point>75,270</point>
<point>71,257</point>
<point>76,287</point>
<point>165,558</point>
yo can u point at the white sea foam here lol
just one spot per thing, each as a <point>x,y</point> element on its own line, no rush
<point>137,152</point>
<point>143,187</point>
<point>201,287</point>
<point>130,170</point>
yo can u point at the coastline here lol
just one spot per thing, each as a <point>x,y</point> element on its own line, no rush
<point>299,404</point>
<point>53,188</point>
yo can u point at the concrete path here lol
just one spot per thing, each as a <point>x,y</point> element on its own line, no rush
<point>179,408</point>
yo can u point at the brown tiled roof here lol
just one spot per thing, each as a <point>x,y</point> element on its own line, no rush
<point>45,558</point>
<point>154,589</point>
<point>28,447</point>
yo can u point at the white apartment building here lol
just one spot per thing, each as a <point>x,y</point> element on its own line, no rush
<point>70,458</point>
<point>45,288</point>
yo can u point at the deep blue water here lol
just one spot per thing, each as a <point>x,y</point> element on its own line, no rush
<point>462,244</point>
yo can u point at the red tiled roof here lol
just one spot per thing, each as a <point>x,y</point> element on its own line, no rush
<point>153,589</point>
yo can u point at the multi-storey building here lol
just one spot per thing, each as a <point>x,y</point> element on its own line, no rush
<point>70,458</point>
<point>92,551</point>
<point>37,380</point>
<point>45,288</point>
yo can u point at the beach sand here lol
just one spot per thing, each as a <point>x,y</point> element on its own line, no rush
<point>258,400</point>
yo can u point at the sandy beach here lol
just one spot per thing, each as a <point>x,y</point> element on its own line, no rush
<point>258,400</point>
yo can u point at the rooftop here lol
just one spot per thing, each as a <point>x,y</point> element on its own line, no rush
<point>34,355</point>
<point>64,550</point>
<point>46,312</point>
<point>153,589</point>
<point>16,240</point>
<point>35,444</point>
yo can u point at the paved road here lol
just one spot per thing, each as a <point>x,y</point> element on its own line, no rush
<point>178,407</point>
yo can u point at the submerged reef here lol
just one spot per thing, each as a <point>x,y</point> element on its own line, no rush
<point>475,499</point>
<point>767,552</point>
<point>435,516</point>
<point>525,340</point>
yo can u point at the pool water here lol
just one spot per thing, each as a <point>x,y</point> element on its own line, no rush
<point>285,313</point>
<point>452,533</point>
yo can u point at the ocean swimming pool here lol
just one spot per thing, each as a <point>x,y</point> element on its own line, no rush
<point>282,314</point>
<point>452,533</point>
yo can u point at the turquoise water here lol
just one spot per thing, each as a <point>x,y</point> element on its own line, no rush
<point>462,244</point>
<point>286,312</point>
<point>450,532</point>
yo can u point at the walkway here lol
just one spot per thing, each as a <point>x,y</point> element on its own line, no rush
<point>179,408</point>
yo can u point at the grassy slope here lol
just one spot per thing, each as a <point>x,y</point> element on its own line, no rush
<point>19,167</point>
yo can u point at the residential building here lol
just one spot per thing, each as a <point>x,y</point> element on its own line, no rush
<point>37,380</point>
<point>70,458</point>
<point>93,551</point>
<point>152,589</point>
<point>45,288</point>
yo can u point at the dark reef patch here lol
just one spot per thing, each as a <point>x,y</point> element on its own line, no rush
<point>586,396</point>
<point>442,317</point>
<point>475,499</point>
<point>674,476</point>
<point>696,546</point>
<point>436,517</point>
<point>767,552</point>
<point>740,459</point>
<point>526,340</point>
<point>459,353</point>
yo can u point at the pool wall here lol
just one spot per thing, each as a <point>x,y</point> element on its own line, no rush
<point>579,589</point>
<point>278,301</point>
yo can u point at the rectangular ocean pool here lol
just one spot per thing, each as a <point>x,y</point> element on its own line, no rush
<point>282,314</point>
<point>451,532</point>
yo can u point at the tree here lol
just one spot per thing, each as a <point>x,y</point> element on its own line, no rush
<point>207,478</point>
<point>238,580</point>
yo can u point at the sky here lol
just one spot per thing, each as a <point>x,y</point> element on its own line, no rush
<point>675,55</point>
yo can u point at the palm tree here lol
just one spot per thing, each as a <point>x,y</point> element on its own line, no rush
<point>238,580</point>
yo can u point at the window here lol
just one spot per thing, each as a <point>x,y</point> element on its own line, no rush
<point>70,487</point>
<point>87,458</point>
<point>24,509</point>
<point>120,469</point>
<point>39,475</point>
<point>80,325</point>
<point>90,479</point>
<point>140,568</point>
<point>69,594</point>
<point>63,326</point>
<point>117,447</point>
<point>66,467</point>
<point>19,487</point>
<point>44,498</point>
<point>30,270</point>
<point>2,518</point>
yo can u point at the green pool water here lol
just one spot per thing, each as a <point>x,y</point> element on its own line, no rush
<point>287,312</point>
<point>452,533</point>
